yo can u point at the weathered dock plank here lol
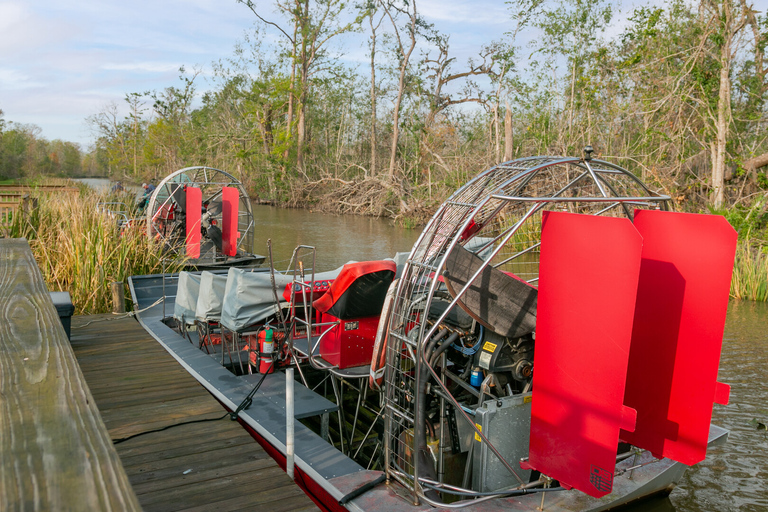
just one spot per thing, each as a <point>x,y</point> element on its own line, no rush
<point>213,465</point>
<point>55,453</point>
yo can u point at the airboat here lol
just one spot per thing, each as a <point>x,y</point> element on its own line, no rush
<point>200,215</point>
<point>551,342</point>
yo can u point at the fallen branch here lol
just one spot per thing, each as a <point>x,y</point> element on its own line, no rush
<point>753,164</point>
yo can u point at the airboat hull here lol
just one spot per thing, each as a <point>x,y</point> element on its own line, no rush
<point>326,474</point>
<point>251,260</point>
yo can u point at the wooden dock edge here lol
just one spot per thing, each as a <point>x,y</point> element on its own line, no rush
<point>55,452</point>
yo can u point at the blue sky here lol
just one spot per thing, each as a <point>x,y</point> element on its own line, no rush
<point>64,61</point>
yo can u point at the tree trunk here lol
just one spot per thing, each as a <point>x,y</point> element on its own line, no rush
<point>301,131</point>
<point>301,128</point>
<point>373,98</point>
<point>291,95</point>
<point>497,131</point>
<point>723,120</point>
<point>722,123</point>
<point>508,147</point>
<point>573,97</point>
<point>396,119</point>
<point>400,90</point>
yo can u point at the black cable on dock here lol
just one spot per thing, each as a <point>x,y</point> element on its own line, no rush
<point>118,441</point>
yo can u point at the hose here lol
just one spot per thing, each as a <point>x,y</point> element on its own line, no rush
<point>431,344</point>
<point>421,450</point>
<point>442,348</point>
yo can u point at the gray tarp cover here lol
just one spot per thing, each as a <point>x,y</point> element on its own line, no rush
<point>248,298</point>
<point>212,287</point>
<point>186,297</point>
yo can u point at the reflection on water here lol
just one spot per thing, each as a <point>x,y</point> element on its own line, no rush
<point>653,505</point>
<point>98,184</point>
<point>337,238</point>
<point>734,476</point>
<point>106,184</point>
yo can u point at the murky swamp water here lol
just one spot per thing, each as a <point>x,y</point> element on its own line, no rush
<point>336,238</point>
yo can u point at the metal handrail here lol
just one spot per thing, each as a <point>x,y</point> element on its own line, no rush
<point>643,201</point>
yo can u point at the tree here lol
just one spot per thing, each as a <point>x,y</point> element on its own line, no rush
<point>754,84</point>
<point>572,30</point>
<point>371,15</point>
<point>727,19</point>
<point>170,139</point>
<point>404,50</point>
<point>315,24</point>
<point>135,102</point>
<point>249,114</point>
<point>112,137</point>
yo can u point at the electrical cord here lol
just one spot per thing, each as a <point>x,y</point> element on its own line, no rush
<point>248,400</point>
<point>118,441</point>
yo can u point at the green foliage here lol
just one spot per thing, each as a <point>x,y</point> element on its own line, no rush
<point>24,153</point>
<point>751,221</point>
<point>750,269</point>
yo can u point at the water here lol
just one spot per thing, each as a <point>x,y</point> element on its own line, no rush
<point>733,477</point>
<point>337,238</point>
<point>105,184</point>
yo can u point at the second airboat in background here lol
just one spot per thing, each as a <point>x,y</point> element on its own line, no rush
<point>205,216</point>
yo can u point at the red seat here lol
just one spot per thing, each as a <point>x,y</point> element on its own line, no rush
<point>354,302</point>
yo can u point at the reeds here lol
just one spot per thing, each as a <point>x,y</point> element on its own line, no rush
<point>82,250</point>
<point>750,271</point>
<point>750,268</point>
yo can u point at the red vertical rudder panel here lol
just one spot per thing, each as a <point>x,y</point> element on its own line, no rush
<point>194,200</point>
<point>682,299</point>
<point>229,217</point>
<point>588,271</point>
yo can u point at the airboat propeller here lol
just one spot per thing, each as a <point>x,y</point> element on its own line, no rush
<point>579,259</point>
<point>205,215</point>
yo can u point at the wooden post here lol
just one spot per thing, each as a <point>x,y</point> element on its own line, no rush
<point>55,450</point>
<point>118,297</point>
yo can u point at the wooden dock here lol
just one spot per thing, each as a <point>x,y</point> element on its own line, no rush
<point>206,465</point>
<point>55,453</point>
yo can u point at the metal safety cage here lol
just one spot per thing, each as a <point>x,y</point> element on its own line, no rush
<point>496,216</point>
<point>164,225</point>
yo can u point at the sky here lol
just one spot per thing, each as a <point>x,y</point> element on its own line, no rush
<point>61,62</point>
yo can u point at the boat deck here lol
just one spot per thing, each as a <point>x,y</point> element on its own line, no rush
<point>207,465</point>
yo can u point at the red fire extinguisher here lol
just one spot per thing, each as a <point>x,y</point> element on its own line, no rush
<point>266,351</point>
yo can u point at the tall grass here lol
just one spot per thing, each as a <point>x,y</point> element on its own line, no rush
<point>83,251</point>
<point>750,268</point>
<point>750,271</point>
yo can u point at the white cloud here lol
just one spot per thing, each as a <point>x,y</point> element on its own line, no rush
<point>477,13</point>
<point>11,13</point>
<point>24,31</point>
<point>145,67</point>
<point>13,79</point>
